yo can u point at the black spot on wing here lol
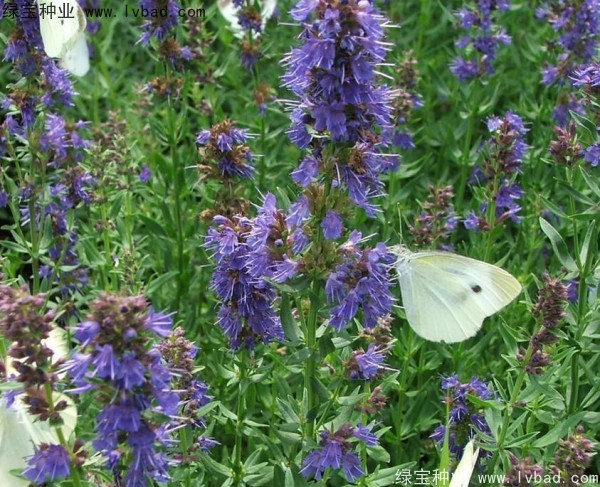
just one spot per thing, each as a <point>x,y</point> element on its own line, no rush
<point>476,288</point>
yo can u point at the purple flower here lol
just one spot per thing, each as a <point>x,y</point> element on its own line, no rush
<point>341,102</point>
<point>4,199</point>
<point>48,464</point>
<point>120,367</point>
<point>145,174</point>
<point>243,258</point>
<point>573,290</point>
<point>577,25</point>
<point>587,76</point>
<point>299,212</point>
<point>592,155</point>
<point>224,146</point>
<point>332,225</point>
<point>504,153</point>
<point>482,36</point>
<point>369,363</point>
<point>336,452</point>
<point>360,282</point>
<point>160,25</point>
<point>464,416</point>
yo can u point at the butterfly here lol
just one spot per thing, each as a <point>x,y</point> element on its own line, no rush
<point>464,470</point>
<point>63,34</point>
<point>447,296</point>
<point>230,12</point>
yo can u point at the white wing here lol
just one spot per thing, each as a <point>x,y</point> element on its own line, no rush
<point>268,9</point>
<point>447,296</point>
<point>464,470</point>
<point>14,446</point>
<point>60,31</point>
<point>76,59</point>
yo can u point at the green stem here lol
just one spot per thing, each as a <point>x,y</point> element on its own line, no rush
<point>509,408</point>
<point>466,152</point>
<point>106,275</point>
<point>310,365</point>
<point>35,258</point>
<point>423,25</point>
<point>74,474</point>
<point>239,436</point>
<point>178,186</point>
<point>184,450</point>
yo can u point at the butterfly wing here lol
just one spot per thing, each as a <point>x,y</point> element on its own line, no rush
<point>229,11</point>
<point>447,296</point>
<point>76,59</point>
<point>60,31</point>
<point>267,9</point>
<point>464,470</point>
<point>14,446</point>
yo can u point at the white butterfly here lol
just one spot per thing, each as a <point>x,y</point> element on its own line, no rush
<point>447,296</point>
<point>230,13</point>
<point>464,470</point>
<point>63,34</point>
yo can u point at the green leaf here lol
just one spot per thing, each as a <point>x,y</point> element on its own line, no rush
<point>559,245</point>
<point>289,324</point>
<point>378,453</point>
<point>561,430</point>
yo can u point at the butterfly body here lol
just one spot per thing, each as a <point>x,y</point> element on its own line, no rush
<point>63,35</point>
<point>447,296</point>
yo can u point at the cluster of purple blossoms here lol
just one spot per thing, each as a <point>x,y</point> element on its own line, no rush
<point>179,354</point>
<point>549,312</point>
<point>370,363</point>
<point>337,451</point>
<point>341,105</point>
<point>521,470</point>
<point>66,184</point>
<point>162,17</point>
<point>366,365</point>
<point>49,463</point>
<point>158,25</point>
<point>246,313</point>
<point>466,419</point>
<point>33,365</point>
<point>578,24</point>
<point>118,363</point>
<point>26,329</point>
<point>224,145</point>
<point>587,77</point>
<point>482,39</point>
<point>272,246</point>
<point>360,281</point>
<point>54,206</point>
<point>249,22</point>
<point>405,102</point>
<point>503,159</point>
<point>587,80</point>
<point>25,50</point>
<point>572,457</point>
<point>437,220</point>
